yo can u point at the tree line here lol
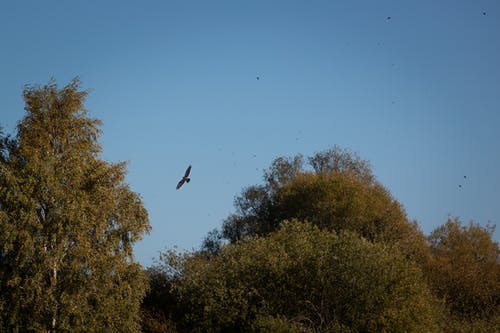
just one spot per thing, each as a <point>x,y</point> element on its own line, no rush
<point>320,246</point>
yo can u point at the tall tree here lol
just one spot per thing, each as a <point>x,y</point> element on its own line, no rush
<point>339,193</point>
<point>68,222</point>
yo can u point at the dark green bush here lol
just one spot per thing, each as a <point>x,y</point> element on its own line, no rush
<point>301,276</point>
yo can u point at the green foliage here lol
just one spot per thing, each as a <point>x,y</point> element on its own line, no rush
<point>340,201</point>
<point>340,194</point>
<point>465,269</point>
<point>159,306</point>
<point>356,265</point>
<point>301,278</point>
<point>155,322</point>
<point>337,160</point>
<point>68,222</point>
<point>277,325</point>
<point>457,324</point>
<point>212,243</point>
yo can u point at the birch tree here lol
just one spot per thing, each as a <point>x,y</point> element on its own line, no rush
<point>68,222</point>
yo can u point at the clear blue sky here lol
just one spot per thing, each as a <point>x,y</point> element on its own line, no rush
<point>175,84</point>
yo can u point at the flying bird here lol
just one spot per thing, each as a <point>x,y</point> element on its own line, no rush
<point>184,179</point>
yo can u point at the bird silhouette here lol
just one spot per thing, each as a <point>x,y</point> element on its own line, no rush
<point>184,179</point>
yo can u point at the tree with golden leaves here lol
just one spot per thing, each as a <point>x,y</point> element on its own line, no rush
<point>68,222</point>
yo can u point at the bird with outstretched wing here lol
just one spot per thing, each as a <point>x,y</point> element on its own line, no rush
<point>184,179</point>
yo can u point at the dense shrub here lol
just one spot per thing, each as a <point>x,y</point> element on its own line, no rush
<point>465,269</point>
<point>301,276</point>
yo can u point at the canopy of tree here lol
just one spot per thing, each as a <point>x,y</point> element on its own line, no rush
<point>302,278</point>
<point>67,223</point>
<point>465,268</point>
<point>339,193</point>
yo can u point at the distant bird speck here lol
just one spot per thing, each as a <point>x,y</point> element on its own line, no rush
<point>484,13</point>
<point>184,179</point>
<point>460,186</point>
<point>465,177</point>
<point>388,17</point>
<point>257,78</point>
